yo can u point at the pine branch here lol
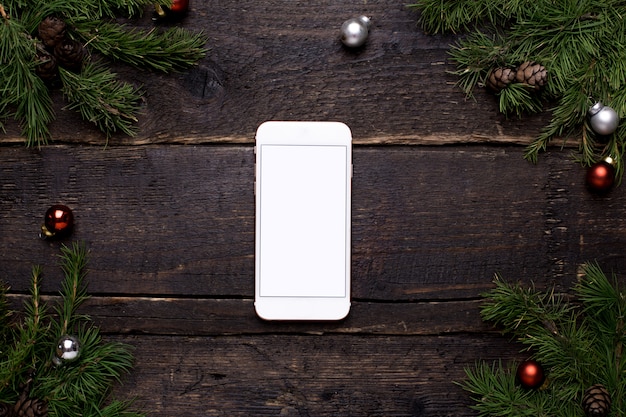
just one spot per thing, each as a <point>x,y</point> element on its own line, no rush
<point>101,99</point>
<point>21,88</point>
<point>580,44</point>
<point>172,50</point>
<point>20,359</point>
<point>73,292</point>
<point>579,342</point>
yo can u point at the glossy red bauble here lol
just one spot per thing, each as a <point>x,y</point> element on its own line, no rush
<point>530,374</point>
<point>600,177</point>
<point>175,11</point>
<point>179,6</point>
<point>58,222</point>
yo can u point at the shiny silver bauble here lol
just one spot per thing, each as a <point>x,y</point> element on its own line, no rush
<point>603,119</point>
<point>354,31</point>
<point>67,350</point>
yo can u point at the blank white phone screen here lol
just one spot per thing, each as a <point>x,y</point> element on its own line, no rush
<point>304,223</point>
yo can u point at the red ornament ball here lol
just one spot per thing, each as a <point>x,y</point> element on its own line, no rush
<point>58,222</point>
<point>176,10</point>
<point>530,374</point>
<point>600,176</point>
<point>179,6</point>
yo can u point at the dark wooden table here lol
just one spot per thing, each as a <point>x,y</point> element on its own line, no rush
<point>442,200</point>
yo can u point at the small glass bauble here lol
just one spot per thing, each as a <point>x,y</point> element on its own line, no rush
<point>177,10</point>
<point>66,350</point>
<point>530,374</point>
<point>603,119</point>
<point>354,31</point>
<point>57,222</point>
<point>600,176</point>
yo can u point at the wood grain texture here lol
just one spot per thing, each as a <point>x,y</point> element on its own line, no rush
<point>170,228</point>
<point>284,61</point>
<point>169,218</point>
<point>428,223</point>
<point>295,375</point>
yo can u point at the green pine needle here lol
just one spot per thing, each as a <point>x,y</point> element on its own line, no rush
<point>112,105</point>
<point>171,50</point>
<point>579,341</point>
<point>77,388</point>
<point>580,43</point>
<point>73,292</point>
<point>101,99</point>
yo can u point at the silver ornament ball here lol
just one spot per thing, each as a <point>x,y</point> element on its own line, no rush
<point>603,119</point>
<point>354,31</point>
<point>67,350</point>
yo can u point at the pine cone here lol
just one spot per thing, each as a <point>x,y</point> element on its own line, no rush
<point>596,401</point>
<point>5,410</point>
<point>532,74</point>
<point>45,67</point>
<point>499,79</point>
<point>51,31</point>
<point>70,54</point>
<point>31,407</point>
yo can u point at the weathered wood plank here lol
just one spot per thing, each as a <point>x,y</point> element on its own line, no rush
<point>428,223</point>
<point>285,61</point>
<point>214,317</point>
<point>307,375</point>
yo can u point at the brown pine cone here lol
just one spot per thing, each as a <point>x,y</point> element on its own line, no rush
<point>31,407</point>
<point>51,31</point>
<point>5,410</point>
<point>596,401</point>
<point>532,74</point>
<point>46,66</point>
<point>70,54</point>
<point>499,79</point>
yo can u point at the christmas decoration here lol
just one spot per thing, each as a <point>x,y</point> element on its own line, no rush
<point>532,74</point>
<point>25,407</point>
<point>577,338</point>
<point>603,119</point>
<point>30,384</point>
<point>600,176</point>
<point>58,222</point>
<point>176,10</point>
<point>596,401</point>
<point>578,45</point>
<point>46,45</point>
<point>500,78</point>
<point>67,350</point>
<point>354,31</point>
<point>530,374</point>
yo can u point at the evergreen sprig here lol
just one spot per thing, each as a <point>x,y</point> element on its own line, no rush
<point>579,341</point>
<point>80,387</point>
<point>27,99</point>
<point>579,42</point>
<point>101,99</point>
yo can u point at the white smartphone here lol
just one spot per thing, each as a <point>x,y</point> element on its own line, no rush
<point>303,212</point>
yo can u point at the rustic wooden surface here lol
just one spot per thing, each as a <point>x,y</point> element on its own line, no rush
<point>169,219</point>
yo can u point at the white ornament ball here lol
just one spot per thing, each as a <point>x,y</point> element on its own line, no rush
<point>354,31</point>
<point>603,119</point>
<point>67,350</point>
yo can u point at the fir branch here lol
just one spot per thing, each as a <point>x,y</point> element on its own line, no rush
<point>167,51</point>
<point>495,392</point>
<point>21,358</point>
<point>517,309</point>
<point>73,292</point>
<point>102,99</point>
<point>86,382</point>
<point>21,88</point>
<point>580,43</point>
<point>580,344</point>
